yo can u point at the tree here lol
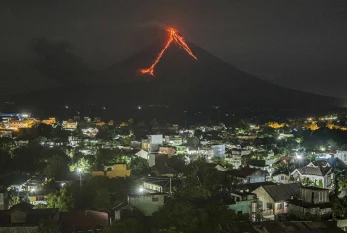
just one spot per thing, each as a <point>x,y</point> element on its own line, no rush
<point>193,141</point>
<point>180,214</point>
<point>242,126</point>
<point>83,163</point>
<point>332,144</point>
<point>102,200</point>
<point>55,165</point>
<point>139,166</point>
<point>7,146</point>
<point>64,200</point>
<point>47,226</point>
<point>125,226</point>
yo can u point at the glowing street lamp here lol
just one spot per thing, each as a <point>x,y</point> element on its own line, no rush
<point>80,170</point>
<point>141,189</point>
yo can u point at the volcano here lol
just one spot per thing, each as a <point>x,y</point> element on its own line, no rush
<point>181,80</point>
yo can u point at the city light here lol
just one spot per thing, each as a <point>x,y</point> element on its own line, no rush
<point>141,189</point>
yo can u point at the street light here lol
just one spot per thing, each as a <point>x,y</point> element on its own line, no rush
<point>80,170</point>
<point>141,189</point>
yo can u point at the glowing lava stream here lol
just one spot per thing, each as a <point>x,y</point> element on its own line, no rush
<point>173,37</point>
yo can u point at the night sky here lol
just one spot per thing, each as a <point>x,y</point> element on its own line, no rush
<point>295,43</point>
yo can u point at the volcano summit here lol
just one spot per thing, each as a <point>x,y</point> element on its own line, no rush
<point>181,80</point>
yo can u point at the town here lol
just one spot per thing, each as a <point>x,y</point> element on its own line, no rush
<point>87,174</point>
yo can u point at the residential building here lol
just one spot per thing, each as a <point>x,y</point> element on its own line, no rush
<point>281,178</point>
<point>142,154</point>
<point>3,198</point>
<point>114,171</point>
<point>23,218</point>
<point>122,210</point>
<point>159,184</point>
<point>240,152</point>
<point>50,121</point>
<point>167,150</point>
<point>320,175</point>
<point>273,199</point>
<point>342,155</point>
<point>312,201</point>
<point>234,160</point>
<point>39,196</point>
<point>18,124</point>
<point>248,175</point>
<point>242,201</point>
<point>69,125</point>
<point>218,150</point>
<point>147,203</point>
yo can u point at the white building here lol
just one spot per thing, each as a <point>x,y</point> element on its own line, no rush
<point>320,174</point>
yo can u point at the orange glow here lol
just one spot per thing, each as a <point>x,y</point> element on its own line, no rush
<point>173,37</point>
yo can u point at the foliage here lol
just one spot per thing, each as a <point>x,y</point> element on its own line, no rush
<point>125,226</point>
<point>7,146</point>
<point>102,200</point>
<point>243,126</point>
<point>83,163</point>
<point>193,141</point>
<point>64,200</point>
<point>15,197</point>
<point>47,226</point>
<point>139,166</point>
<point>55,165</point>
<point>182,216</point>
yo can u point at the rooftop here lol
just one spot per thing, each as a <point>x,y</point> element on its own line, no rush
<point>282,192</point>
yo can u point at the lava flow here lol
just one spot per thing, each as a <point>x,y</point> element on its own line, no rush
<point>173,37</point>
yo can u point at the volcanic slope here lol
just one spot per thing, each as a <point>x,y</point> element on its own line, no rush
<point>183,81</point>
<point>180,79</point>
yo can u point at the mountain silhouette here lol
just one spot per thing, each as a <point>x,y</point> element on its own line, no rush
<point>180,80</point>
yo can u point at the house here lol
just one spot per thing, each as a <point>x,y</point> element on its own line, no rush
<point>281,178</point>
<point>49,121</point>
<point>3,198</point>
<point>114,171</point>
<point>147,203</point>
<point>234,160</point>
<point>342,155</point>
<point>142,154</point>
<point>39,196</point>
<point>69,125</point>
<point>273,199</point>
<point>312,201</point>
<point>167,150</point>
<point>23,218</point>
<point>218,150</point>
<point>248,175</point>
<point>240,152</point>
<point>260,164</point>
<point>122,210</point>
<point>154,184</point>
<point>242,201</point>
<point>152,143</point>
<point>320,174</point>
<point>279,227</point>
<point>83,221</point>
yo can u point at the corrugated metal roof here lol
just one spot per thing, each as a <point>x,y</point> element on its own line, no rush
<point>283,192</point>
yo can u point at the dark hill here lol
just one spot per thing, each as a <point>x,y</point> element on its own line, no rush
<point>181,81</point>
